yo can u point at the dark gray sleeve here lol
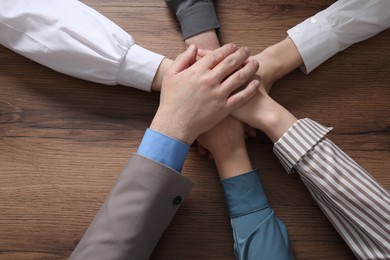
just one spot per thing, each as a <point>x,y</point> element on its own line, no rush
<point>194,16</point>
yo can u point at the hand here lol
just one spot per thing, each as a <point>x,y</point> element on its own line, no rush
<point>196,97</point>
<point>249,131</point>
<point>204,40</point>
<point>226,142</point>
<point>277,61</point>
<point>264,113</point>
<point>223,138</point>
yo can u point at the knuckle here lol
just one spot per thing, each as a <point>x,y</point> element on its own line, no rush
<point>208,81</point>
<point>231,46</point>
<point>240,97</point>
<point>244,51</point>
<point>239,77</point>
<point>218,56</point>
<point>230,62</point>
<point>196,71</point>
<point>215,96</point>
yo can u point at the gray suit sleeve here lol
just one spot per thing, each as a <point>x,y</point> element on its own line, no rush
<point>194,16</point>
<point>136,213</point>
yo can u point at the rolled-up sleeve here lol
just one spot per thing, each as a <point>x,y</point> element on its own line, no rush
<point>74,39</point>
<point>194,16</point>
<point>336,28</point>
<point>355,203</point>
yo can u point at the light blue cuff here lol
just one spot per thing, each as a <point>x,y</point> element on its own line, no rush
<point>163,149</point>
<point>244,194</point>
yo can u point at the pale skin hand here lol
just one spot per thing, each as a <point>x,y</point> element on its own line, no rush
<point>266,114</point>
<point>262,112</point>
<point>209,40</point>
<point>277,61</point>
<point>203,40</point>
<point>196,97</point>
<point>226,142</point>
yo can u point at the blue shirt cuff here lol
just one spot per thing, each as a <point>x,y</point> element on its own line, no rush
<point>244,194</point>
<point>163,149</point>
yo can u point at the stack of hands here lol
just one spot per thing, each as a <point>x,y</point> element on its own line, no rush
<point>219,99</point>
<point>216,97</point>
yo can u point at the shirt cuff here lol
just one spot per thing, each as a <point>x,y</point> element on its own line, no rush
<point>198,18</point>
<point>139,67</point>
<point>299,139</point>
<point>244,194</point>
<point>163,149</point>
<point>315,41</point>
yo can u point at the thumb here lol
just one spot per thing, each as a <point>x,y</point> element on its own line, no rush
<point>184,60</point>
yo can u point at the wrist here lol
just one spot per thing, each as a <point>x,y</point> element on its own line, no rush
<point>164,66</point>
<point>233,163</point>
<point>176,130</point>
<point>205,40</point>
<point>273,119</point>
<point>265,114</point>
<point>278,60</point>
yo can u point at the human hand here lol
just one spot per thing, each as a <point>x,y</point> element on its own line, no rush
<point>196,97</point>
<point>264,113</point>
<point>257,110</point>
<point>204,40</point>
<point>277,61</point>
<point>249,131</point>
<point>224,137</point>
<point>226,143</point>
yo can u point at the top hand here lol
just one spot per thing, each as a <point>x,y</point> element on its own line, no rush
<point>196,97</point>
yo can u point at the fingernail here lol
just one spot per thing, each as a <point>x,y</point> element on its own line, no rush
<point>246,49</point>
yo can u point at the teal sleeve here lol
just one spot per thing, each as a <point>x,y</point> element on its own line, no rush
<point>258,233</point>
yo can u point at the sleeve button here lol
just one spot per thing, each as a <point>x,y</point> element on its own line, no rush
<point>177,200</point>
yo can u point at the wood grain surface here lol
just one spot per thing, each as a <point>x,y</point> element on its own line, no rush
<point>64,141</point>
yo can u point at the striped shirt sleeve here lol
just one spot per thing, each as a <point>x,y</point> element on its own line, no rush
<point>354,202</point>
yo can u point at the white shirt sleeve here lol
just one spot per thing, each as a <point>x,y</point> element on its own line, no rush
<point>336,28</point>
<point>74,39</point>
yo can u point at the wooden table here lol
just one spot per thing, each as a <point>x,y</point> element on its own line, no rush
<point>63,141</point>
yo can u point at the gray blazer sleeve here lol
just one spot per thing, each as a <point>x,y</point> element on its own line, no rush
<point>138,210</point>
<point>194,16</point>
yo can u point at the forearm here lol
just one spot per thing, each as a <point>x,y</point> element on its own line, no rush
<point>277,61</point>
<point>257,232</point>
<point>194,16</point>
<point>94,49</point>
<point>336,28</point>
<point>204,40</point>
<point>354,202</point>
<point>265,114</point>
<point>232,161</point>
<point>139,208</point>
